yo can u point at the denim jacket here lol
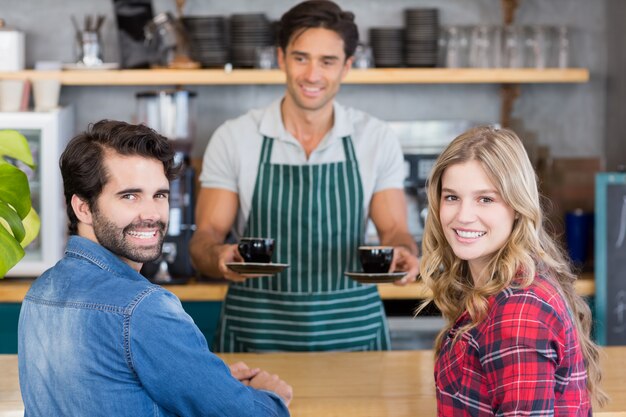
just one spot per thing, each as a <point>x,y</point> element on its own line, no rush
<point>98,339</point>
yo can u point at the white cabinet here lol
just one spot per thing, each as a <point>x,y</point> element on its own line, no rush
<point>47,134</point>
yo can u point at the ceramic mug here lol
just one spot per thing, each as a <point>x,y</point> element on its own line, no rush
<point>46,94</point>
<point>256,249</point>
<point>11,95</point>
<point>376,259</point>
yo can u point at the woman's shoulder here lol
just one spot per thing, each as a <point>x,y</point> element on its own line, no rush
<point>543,289</point>
<point>539,306</point>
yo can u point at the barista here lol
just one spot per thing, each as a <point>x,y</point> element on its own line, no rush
<point>307,172</point>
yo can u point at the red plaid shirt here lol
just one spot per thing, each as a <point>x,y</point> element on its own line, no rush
<point>524,359</point>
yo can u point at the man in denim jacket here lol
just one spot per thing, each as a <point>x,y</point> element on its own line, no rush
<point>95,337</point>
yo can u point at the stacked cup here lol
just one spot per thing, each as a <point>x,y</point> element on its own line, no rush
<point>11,95</point>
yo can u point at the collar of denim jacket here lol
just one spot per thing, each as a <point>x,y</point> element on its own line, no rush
<point>80,247</point>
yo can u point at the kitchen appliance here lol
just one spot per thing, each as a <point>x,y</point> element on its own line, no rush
<point>422,141</point>
<point>172,114</point>
<point>47,134</point>
<point>11,48</point>
<point>131,16</point>
<point>169,37</point>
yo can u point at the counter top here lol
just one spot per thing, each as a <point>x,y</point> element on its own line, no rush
<point>14,290</point>
<point>374,384</point>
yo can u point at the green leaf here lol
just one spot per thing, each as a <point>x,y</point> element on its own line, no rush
<point>11,221</point>
<point>15,145</point>
<point>19,223</point>
<point>32,223</point>
<point>10,252</point>
<point>14,189</point>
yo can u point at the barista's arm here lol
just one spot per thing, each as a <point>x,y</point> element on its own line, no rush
<point>216,211</point>
<point>389,214</point>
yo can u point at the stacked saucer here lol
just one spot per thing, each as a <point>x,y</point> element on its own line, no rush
<point>387,46</point>
<point>208,36</point>
<point>421,37</point>
<point>247,33</point>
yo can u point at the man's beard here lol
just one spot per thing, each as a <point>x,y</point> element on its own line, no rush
<point>114,238</point>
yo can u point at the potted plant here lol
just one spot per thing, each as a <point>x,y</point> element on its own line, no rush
<point>19,222</point>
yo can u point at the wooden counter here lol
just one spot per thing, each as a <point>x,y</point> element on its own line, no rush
<point>13,291</point>
<point>373,384</point>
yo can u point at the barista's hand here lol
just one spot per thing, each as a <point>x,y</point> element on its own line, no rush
<point>229,253</point>
<point>243,373</point>
<point>405,261</point>
<point>266,381</point>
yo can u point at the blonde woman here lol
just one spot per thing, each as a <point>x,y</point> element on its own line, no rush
<point>517,336</point>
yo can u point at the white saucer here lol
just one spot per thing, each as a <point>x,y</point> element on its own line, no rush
<point>384,278</point>
<point>257,269</point>
<point>83,67</point>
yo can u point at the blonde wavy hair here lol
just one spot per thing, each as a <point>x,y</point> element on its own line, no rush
<point>529,249</point>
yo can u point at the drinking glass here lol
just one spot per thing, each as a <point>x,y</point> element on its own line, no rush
<point>363,57</point>
<point>266,57</point>
<point>480,45</point>
<point>513,47</point>
<point>453,47</point>
<point>538,46</point>
<point>496,47</point>
<point>562,47</point>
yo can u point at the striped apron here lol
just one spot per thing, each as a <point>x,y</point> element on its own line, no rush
<point>315,213</point>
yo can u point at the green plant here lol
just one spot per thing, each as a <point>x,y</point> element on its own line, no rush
<point>19,222</point>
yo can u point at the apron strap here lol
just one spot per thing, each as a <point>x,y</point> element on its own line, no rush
<point>266,150</point>
<point>348,149</point>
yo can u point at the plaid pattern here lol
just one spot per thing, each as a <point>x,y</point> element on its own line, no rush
<point>524,359</point>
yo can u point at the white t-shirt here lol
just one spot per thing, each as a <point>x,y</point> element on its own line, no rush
<point>231,160</point>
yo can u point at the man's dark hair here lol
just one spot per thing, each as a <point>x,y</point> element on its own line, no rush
<point>82,161</point>
<point>319,14</point>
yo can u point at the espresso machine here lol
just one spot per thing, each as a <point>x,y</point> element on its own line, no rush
<point>172,114</point>
<point>422,141</point>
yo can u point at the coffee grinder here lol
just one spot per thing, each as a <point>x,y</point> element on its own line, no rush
<point>172,114</point>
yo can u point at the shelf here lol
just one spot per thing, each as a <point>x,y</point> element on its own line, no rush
<point>355,76</point>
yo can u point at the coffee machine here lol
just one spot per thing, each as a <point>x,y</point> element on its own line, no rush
<point>172,114</point>
<point>422,141</point>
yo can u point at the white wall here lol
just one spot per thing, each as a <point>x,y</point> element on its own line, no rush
<point>569,117</point>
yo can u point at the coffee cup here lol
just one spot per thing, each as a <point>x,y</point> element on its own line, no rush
<point>46,94</point>
<point>256,249</point>
<point>11,95</point>
<point>376,259</point>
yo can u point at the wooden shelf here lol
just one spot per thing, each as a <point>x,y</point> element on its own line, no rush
<point>13,291</point>
<point>251,76</point>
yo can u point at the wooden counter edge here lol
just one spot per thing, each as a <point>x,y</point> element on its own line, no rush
<point>13,291</point>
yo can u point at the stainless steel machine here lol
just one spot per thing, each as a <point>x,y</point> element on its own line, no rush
<point>172,114</point>
<point>422,142</point>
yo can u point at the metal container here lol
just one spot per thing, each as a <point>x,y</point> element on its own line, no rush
<point>11,48</point>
